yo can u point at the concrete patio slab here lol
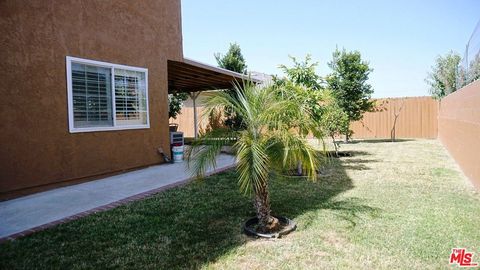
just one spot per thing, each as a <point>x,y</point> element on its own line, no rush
<point>29,212</point>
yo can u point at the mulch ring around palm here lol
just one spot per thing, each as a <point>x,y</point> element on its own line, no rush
<point>285,227</point>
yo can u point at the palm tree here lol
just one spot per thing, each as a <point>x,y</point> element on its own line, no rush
<point>273,139</point>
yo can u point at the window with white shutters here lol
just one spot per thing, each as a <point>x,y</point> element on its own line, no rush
<point>130,98</point>
<point>104,96</point>
<point>92,96</point>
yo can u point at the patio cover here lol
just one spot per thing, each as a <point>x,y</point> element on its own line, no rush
<point>193,77</point>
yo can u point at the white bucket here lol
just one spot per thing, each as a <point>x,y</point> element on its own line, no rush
<point>177,154</point>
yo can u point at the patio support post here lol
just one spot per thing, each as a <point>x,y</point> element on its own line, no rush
<point>193,96</point>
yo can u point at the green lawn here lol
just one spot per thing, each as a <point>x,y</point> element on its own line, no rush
<point>390,205</point>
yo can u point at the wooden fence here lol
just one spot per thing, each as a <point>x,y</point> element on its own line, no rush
<point>417,119</point>
<point>185,119</point>
<point>456,121</point>
<point>459,129</point>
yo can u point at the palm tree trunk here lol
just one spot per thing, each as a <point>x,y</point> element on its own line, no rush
<point>299,168</point>
<point>266,222</point>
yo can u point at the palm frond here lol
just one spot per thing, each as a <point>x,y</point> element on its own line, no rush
<point>277,121</point>
<point>288,149</point>
<point>204,151</point>
<point>253,164</point>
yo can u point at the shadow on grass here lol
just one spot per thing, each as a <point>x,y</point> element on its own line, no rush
<point>340,154</point>
<point>376,141</point>
<point>184,227</point>
<point>358,164</point>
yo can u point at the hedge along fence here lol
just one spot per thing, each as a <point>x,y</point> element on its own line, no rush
<point>417,118</point>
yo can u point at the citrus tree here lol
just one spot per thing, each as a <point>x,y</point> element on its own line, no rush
<point>303,72</point>
<point>333,120</point>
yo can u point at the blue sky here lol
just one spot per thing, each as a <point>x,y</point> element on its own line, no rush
<point>400,39</point>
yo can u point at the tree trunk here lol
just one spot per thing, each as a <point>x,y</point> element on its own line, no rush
<point>393,131</point>
<point>266,222</point>
<point>396,115</point>
<point>335,145</point>
<point>299,168</point>
<point>347,138</point>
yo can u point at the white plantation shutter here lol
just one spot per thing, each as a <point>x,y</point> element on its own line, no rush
<point>130,97</point>
<point>92,96</point>
<point>104,96</point>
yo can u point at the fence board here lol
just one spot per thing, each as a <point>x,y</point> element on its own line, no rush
<point>417,119</point>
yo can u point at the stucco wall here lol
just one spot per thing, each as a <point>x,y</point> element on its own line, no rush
<point>459,129</point>
<point>36,147</point>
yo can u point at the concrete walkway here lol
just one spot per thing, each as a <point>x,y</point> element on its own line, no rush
<point>31,212</point>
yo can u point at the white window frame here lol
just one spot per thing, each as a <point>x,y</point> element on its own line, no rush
<point>72,128</point>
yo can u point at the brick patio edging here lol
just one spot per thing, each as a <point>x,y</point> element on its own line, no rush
<point>109,206</point>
